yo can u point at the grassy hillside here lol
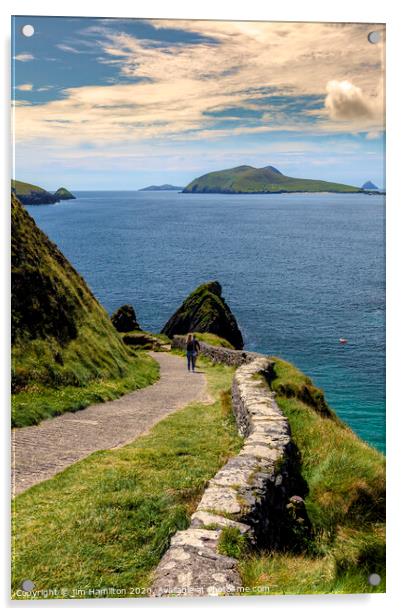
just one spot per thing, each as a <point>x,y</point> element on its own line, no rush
<point>23,188</point>
<point>246,179</point>
<point>61,336</point>
<point>29,194</point>
<point>345,502</point>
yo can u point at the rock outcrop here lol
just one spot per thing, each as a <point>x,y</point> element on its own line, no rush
<point>124,319</point>
<point>205,310</point>
<point>63,194</point>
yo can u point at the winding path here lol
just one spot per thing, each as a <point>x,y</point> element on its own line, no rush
<point>39,452</point>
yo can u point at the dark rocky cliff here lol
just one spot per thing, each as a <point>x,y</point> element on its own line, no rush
<point>205,310</point>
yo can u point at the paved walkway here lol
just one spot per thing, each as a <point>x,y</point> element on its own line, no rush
<point>39,452</point>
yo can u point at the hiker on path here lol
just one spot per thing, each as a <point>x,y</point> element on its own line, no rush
<point>193,346</point>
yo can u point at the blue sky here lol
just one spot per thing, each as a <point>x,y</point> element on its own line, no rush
<point>119,104</point>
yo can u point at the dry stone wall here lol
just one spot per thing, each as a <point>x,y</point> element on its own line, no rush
<point>249,493</point>
<point>220,355</point>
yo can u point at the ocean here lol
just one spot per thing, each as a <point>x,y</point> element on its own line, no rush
<point>299,272</point>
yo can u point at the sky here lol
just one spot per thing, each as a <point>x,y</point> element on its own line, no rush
<point>118,104</point>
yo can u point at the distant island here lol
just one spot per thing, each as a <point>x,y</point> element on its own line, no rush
<point>162,187</point>
<point>247,179</point>
<point>29,194</point>
<point>63,194</point>
<point>369,186</point>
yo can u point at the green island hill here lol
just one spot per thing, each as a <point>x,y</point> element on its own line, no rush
<point>247,179</point>
<point>63,194</point>
<point>30,194</point>
<point>66,353</point>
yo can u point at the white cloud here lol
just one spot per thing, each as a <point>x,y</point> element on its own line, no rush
<point>25,87</point>
<point>346,101</point>
<point>168,91</point>
<point>68,49</point>
<point>24,57</point>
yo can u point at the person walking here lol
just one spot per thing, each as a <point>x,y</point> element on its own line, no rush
<point>193,346</point>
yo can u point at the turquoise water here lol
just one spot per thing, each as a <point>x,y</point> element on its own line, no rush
<point>299,272</point>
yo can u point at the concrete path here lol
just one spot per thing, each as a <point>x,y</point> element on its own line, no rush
<point>39,452</point>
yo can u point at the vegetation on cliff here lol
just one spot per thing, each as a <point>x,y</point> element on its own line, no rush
<point>65,350</point>
<point>246,179</point>
<point>345,502</point>
<point>205,311</point>
<point>29,194</point>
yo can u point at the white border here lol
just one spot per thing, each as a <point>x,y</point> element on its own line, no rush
<point>291,10</point>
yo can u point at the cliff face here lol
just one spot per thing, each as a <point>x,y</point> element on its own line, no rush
<point>60,333</point>
<point>205,310</point>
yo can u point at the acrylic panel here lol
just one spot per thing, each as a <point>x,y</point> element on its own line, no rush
<point>198,308</point>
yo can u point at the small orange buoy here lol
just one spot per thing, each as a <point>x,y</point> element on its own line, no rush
<point>343,340</point>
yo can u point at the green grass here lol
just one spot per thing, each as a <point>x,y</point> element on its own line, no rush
<point>213,340</point>
<point>23,188</point>
<point>107,520</point>
<point>345,502</point>
<point>232,543</point>
<point>32,406</point>
<point>140,339</point>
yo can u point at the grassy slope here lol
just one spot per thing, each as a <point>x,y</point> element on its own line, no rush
<point>23,188</point>
<point>247,179</point>
<point>106,521</point>
<point>213,340</point>
<point>64,345</point>
<point>32,406</point>
<point>346,502</point>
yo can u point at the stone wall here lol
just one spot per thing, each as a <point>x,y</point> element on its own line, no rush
<point>219,355</point>
<point>250,492</point>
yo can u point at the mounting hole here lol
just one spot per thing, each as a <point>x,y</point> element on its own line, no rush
<point>28,30</point>
<point>373,37</point>
<point>374,579</point>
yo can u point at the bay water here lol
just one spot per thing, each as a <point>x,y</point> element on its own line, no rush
<point>299,272</point>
